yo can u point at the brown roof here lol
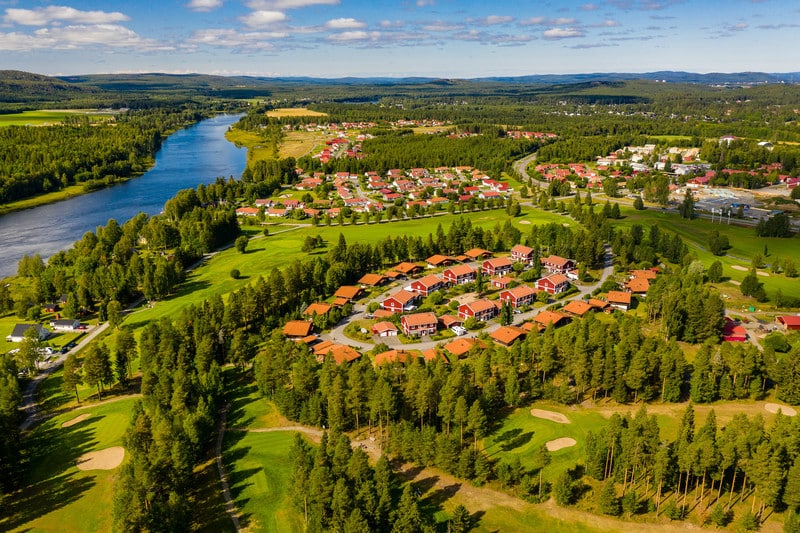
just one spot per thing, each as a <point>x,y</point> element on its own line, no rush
<point>522,249</point>
<point>459,347</point>
<point>372,279</point>
<point>521,291</point>
<point>339,302</point>
<point>419,319</point>
<point>478,306</point>
<point>460,270</point>
<point>599,304</point>
<point>392,356</point>
<point>405,267</point>
<point>318,308</point>
<point>477,252</point>
<point>450,320</point>
<point>392,274</point>
<point>432,355</point>
<point>297,328</point>
<point>502,280</point>
<point>547,317</point>
<point>556,279</point>
<point>403,296</point>
<point>507,334</point>
<point>339,352</point>
<point>619,297</point>
<point>382,313</point>
<point>638,285</point>
<point>578,307</point>
<point>348,291</point>
<point>382,327</point>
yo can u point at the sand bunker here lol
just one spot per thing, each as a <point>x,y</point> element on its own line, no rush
<point>739,267</point>
<point>550,415</point>
<point>559,444</point>
<point>107,459</point>
<point>765,274</point>
<point>785,409</point>
<point>76,420</point>
<point>733,281</point>
<point>526,222</point>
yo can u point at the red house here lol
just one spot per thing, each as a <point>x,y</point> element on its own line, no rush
<point>479,309</point>
<point>522,253</point>
<point>428,284</point>
<point>459,274</point>
<point>518,296</point>
<point>553,284</point>
<point>789,322</point>
<point>497,266</point>
<point>557,264</point>
<point>419,324</point>
<point>619,300</point>
<point>400,301</point>
<point>733,332</point>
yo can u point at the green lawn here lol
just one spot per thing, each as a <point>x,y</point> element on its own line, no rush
<point>520,434</point>
<point>59,497</point>
<point>258,472</point>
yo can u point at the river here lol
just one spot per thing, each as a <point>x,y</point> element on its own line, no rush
<point>188,157</point>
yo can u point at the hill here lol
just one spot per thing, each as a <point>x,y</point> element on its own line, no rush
<point>18,87</point>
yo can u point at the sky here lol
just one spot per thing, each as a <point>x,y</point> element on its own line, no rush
<point>398,38</point>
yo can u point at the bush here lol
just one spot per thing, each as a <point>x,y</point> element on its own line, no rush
<point>673,511</point>
<point>609,285</point>
<point>777,341</point>
<point>235,274</point>
<point>720,517</point>
<point>747,522</point>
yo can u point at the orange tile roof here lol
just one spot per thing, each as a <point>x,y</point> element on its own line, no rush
<point>406,267</point>
<point>297,328</point>
<point>638,285</point>
<point>619,297</point>
<point>646,274</point>
<point>600,304</point>
<point>450,320</point>
<point>549,317</point>
<point>461,346</point>
<point>420,319</point>
<point>578,307</point>
<point>372,279</point>
<point>382,313</point>
<point>348,291</point>
<point>318,308</point>
<point>382,327</point>
<point>476,253</point>
<point>403,296</point>
<point>430,280</point>
<point>460,270</point>
<point>437,259</point>
<point>522,249</point>
<point>557,279</point>
<point>555,260</point>
<point>339,302</point>
<point>521,292</point>
<point>498,262</point>
<point>392,356</point>
<point>392,274</point>
<point>432,355</point>
<point>507,334</point>
<point>478,306</point>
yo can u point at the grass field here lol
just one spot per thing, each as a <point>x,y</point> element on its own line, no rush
<point>59,497</point>
<point>46,117</point>
<point>294,112</point>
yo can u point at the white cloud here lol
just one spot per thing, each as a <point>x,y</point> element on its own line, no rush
<point>288,4</point>
<point>562,21</point>
<point>442,26</point>
<point>227,38</point>
<point>590,7</point>
<point>79,36</point>
<point>539,21</point>
<point>498,19</point>
<point>423,3</point>
<point>350,36</point>
<point>562,33</point>
<point>204,5</point>
<point>260,18</point>
<point>533,21</point>
<point>344,24</point>
<point>42,16</point>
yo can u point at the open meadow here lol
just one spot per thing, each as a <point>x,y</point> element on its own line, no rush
<point>46,117</point>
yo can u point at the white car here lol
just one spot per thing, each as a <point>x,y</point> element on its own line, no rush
<point>458,330</point>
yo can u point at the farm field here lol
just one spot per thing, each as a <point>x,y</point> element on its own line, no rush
<point>60,497</point>
<point>294,112</point>
<point>46,117</point>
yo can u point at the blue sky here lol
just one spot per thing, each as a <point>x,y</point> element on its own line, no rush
<point>440,38</point>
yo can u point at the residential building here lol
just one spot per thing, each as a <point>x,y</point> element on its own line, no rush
<point>479,309</point>
<point>401,301</point>
<point>518,296</point>
<point>556,264</point>
<point>497,266</point>
<point>619,300</point>
<point>428,284</point>
<point>522,253</point>
<point>459,274</point>
<point>553,284</point>
<point>419,324</point>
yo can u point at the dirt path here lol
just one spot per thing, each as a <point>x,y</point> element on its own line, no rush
<point>230,506</point>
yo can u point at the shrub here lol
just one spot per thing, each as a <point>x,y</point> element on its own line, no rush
<point>235,274</point>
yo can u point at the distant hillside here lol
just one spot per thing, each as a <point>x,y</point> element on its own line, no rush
<point>714,78</point>
<point>206,84</point>
<point>19,87</point>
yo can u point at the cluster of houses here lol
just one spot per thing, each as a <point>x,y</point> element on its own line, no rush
<point>407,188</point>
<point>59,324</point>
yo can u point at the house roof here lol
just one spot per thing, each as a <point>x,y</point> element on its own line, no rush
<point>578,307</point>
<point>619,297</point>
<point>461,346</point>
<point>519,292</point>
<point>599,304</point>
<point>507,334</point>
<point>419,319</point>
<point>339,352</point>
<point>372,279</point>
<point>501,280</point>
<point>549,317</point>
<point>406,267</point>
<point>460,270</point>
<point>382,313</point>
<point>556,260</point>
<point>383,327</point>
<point>20,329</point>
<point>348,291</point>
<point>638,285</point>
<point>477,252</point>
<point>556,279</point>
<point>430,281</point>
<point>392,356</point>
<point>437,259</point>
<point>646,274</point>
<point>317,307</point>
<point>432,355</point>
<point>391,274</point>
<point>402,296</point>
<point>450,320</point>
<point>498,262</point>
<point>339,302</point>
<point>789,320</point>
<point>297,328</point>
<point>479,306</point>
<point>521,249</point>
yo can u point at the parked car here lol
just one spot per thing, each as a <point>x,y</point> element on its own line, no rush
<point>458,330</point>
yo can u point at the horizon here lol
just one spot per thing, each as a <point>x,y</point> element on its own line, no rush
<point>401,39</point>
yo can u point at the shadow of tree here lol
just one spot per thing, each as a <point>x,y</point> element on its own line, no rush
<point>517,441</point>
